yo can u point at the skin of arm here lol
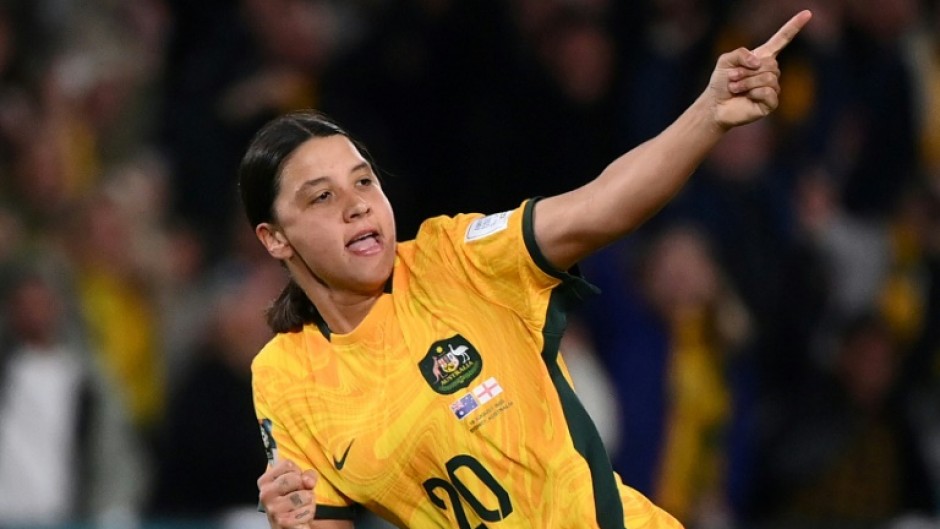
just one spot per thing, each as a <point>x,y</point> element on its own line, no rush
<point>287,495</point>
<point>743,88</point>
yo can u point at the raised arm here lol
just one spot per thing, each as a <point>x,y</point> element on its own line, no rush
<point>743,88</point>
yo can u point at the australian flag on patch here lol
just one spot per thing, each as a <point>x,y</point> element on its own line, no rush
<point>464,406</point>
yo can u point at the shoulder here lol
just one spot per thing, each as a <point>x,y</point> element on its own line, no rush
<point>435,236</point>
<point>283,353</point>
<point>467,227</point>
<point>280,344</point>
<point>449,227</point>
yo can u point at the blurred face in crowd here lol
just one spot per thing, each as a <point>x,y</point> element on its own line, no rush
<point>299,33</point>
<point>868,367</point>
<point>744,153</point>
<point>333,220</point>
<point>582,59</point>
<point>35,311</point>
<point>681,274</point>
<point>240,333</point>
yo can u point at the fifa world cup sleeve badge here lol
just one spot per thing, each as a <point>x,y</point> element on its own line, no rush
<point>267,436</point>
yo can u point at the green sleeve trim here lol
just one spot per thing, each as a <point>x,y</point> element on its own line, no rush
<point>332,512</point>
<point>528,235</point>
<point>576,288</point>
<point>329,512</point>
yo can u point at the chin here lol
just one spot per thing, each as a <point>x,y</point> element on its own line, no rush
<point>376,279</point>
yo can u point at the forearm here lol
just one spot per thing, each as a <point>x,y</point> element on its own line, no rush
<point>631,189</point>
<point>639,183</point>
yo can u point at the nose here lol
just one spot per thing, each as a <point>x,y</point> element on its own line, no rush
<point>356,208</point>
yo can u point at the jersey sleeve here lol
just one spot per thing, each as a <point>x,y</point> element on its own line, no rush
<point>497,255</point>
<point>274,421</point>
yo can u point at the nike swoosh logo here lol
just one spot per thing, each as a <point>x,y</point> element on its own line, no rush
<point>341,462</point>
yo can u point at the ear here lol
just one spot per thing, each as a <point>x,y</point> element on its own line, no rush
<point>274,241</point>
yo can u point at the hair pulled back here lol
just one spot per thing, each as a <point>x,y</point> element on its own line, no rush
<point>259,181</point>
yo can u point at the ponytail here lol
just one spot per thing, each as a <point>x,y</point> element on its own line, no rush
<point>291,310</point>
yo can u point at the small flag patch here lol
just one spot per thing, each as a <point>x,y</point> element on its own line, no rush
<point>464,406</point>
<point>487,390</point>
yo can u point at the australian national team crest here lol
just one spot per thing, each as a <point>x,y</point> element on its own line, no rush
<point>450,364</point>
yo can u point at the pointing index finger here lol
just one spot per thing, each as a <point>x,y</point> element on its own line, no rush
<point>784,35</point>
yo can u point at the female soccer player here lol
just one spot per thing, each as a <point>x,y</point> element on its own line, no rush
<point>421,380</point>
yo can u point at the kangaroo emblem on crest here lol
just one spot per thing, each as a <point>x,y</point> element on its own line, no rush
<point>450,364</point>
<point>449,361</point>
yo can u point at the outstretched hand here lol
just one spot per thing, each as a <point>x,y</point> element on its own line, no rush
<point>745,85</point>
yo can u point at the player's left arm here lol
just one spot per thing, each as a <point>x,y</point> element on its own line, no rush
<point>744,87</point>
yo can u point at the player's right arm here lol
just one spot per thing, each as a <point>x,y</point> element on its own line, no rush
<point>286,494</point>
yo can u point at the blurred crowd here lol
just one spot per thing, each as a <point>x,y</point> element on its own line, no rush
<point>766,350</point>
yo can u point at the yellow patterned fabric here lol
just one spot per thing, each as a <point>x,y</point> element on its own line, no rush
<point>449,406</point>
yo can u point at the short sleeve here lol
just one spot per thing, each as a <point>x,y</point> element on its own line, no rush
<point>274,422</point>
<point>497,255</point>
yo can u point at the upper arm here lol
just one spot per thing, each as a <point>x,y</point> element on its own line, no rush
<point>563,224</point>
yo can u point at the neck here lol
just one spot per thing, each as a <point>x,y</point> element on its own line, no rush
<point>341,309</point>
<point>344,312</point>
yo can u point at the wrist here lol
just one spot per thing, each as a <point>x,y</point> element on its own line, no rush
<point>707,112</point>
<point>702,120</point>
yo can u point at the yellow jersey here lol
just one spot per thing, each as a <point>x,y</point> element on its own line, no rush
<point>449,405</point>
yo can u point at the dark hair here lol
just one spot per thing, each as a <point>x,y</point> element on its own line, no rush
<point>259,175</point>
<point>259,179</point>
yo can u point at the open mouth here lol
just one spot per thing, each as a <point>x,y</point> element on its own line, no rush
<point>365,242</point>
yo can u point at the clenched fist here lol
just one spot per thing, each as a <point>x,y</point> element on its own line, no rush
<point>287,496</point>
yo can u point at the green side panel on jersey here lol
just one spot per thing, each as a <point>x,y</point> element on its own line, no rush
<point>587,441</point>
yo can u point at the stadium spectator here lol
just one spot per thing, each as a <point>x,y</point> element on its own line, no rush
<point>848,455</point>
<point>68,450</point>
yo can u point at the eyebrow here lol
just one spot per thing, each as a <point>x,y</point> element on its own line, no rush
<point>360,166</point>
<point>313,182</point>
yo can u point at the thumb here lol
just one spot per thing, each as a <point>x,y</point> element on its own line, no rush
<point>309,479</point>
